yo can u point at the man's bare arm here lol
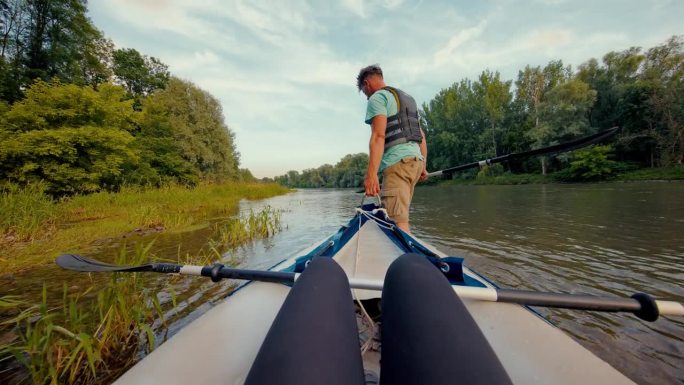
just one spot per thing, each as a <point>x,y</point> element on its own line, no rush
<point>376,147</point>
<point>423,151</point>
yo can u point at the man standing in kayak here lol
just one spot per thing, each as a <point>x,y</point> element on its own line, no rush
<point>397,146</point>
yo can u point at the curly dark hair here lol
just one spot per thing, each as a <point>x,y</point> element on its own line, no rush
<point>373,69</point>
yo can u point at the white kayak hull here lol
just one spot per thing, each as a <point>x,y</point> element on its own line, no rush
<point>220,346</point>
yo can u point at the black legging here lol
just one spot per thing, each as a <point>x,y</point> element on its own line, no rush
<point>313,339</point>
<point>428,336</point>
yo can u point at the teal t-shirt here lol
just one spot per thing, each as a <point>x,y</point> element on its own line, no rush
<point>382,102</point>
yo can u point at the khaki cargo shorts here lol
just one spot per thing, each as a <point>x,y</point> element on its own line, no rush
<point>398,182</point>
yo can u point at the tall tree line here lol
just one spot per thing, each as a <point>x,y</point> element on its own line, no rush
<point>80,115</point>
<point>348,172</point>
<point>640,91</point>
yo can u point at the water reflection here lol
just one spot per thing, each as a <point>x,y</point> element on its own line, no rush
<point>610,239</point>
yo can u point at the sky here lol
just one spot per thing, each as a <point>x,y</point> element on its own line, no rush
<point>285,71</point>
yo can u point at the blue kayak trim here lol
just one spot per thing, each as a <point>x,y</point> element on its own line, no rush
<point>406,243</point>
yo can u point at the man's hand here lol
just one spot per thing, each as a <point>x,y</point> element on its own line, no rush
<point>423,175</point>
<point>372,185</point>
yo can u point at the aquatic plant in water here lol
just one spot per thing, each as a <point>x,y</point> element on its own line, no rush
<point>90,337</point>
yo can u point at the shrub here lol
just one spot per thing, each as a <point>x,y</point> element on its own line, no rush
<point>489,171</point>
<point>592,164</point>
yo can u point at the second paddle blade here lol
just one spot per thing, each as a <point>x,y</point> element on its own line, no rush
<point>80,263</point>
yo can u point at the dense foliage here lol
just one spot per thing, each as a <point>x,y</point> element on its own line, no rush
<point>641,92</point>
<point>348,172</point>
<point>83,116</point>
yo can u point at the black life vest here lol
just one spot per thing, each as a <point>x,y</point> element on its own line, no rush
<point>403,126</point>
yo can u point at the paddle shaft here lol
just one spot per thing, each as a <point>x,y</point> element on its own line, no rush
<point>521,297</point>
<point>563,147</point>
<point>640,304</point>
<point>534,298</point>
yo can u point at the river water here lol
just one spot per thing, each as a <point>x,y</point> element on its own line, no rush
<point>603,239</point>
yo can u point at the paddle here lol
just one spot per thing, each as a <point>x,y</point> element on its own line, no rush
<point>642,305</point>
<point>558,148</point>
<point>215,272</point>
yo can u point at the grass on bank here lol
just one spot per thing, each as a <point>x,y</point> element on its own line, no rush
<point>651,174</point>
<point>245,228</point>
<point>665,173</point>
<point>95,340</point>
<point>78,344</point>
<point>34,228</point>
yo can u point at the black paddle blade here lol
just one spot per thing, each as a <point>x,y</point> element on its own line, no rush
<point>80,263</point>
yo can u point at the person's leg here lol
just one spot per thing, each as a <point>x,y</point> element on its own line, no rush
<point>417,170</point>
<point>404,226</point>
<point>398,182</point>
<point>314,338</point>
<point>428,336</point>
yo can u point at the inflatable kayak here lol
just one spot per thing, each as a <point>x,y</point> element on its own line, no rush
<point>262,325</point>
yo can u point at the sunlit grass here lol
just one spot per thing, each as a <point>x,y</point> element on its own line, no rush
<point>505,179</point>
<point>248,227</point>
<point>93,336</point>
<point>35,228</point>
<point>26,212</point>
<point>644,174</point>
<point>89,337</point>
<point>665,173</point>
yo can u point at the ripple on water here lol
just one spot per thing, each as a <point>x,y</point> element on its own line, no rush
<point>596,239</point>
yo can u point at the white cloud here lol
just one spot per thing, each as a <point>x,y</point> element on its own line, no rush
<point>285,71</point>
<point>551,2</point>
<point>391,4</point>
<point>550,39</point>
<point>451,53</point>
<point>355,7</point>
<point>162,15</point>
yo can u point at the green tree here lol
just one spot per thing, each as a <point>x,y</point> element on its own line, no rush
<point>496,96</point>
<point>592,164</point>
<point>564,114</point>
<point>531,88</point>
<point>641,92</point>
<point>74,138</point>
<point>161,158</point>
<point>45,39</point>
<point>246,176</point>
<point>351,170</point>
<point>663,72</point>
<point>197,126</point>
<point>454,121</point>
<point>619,70</point>
<point>621,100</point>
<point>139,74</point>
<point>348,172</point>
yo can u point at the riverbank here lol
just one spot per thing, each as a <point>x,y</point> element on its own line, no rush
<point>89,329</point>
<point>35,228</point>
<point>651,174</point>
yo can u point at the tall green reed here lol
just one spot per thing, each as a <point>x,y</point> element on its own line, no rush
<point>26,211</point>
<point>91,337</point>
<point>33,227</point>
<point>248,227</point>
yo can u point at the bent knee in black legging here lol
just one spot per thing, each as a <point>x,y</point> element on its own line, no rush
<point>428,335</point>
<point>314,338</point>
